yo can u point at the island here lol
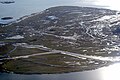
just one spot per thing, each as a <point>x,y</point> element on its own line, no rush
<point>7,2</point>
<point>6,18</point>
<point>61,39</point>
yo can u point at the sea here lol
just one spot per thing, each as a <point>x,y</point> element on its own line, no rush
<point>22,8</point>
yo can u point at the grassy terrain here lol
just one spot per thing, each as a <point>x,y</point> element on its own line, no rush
<point>53,63</point>
<point>66,28</point>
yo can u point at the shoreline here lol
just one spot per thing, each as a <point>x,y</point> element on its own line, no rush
<point>56,28</point>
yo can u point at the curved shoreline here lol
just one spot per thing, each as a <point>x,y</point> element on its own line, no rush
<point>66,31</point>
